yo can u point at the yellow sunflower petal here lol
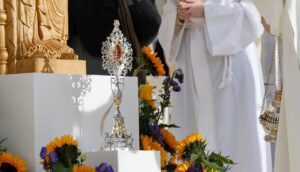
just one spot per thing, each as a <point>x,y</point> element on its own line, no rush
<point>83,168</point>
<point>182,167</point>
<point>15,161</point>
<point>149,144</point>
<point>59,142</point>
<point>169,138</point>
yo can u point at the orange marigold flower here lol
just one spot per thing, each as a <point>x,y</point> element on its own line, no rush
<point>149,144</point>
<point>14,161</point>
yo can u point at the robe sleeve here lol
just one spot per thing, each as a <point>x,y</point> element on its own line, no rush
<point>230,26</point>
<point>167,30</point>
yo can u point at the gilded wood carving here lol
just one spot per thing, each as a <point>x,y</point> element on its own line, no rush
<point>37,29</point>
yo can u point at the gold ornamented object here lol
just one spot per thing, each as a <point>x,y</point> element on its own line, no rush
<point>270,118</point>
<point>117,58</point>
<point>36,33</point>
<point>3,50</point>
<point>269,121</point>
<point>277,99</point>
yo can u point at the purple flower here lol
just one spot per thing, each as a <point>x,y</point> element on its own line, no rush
<point>109,169</point>
<point>166,80</point>
<point>168,94</point>
<point>45,165</point>
<point>43,152</point>
<point>53,157</point>
<point>196,167</point>
<point>176,88</point>
<point>154,128</point>
<point>179,75</point>
<point>155,132</point>
<point>173,83</point>
<point>103,167</point>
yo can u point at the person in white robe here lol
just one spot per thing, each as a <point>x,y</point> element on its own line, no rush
<point>222,92</point>
<point>283,17</point>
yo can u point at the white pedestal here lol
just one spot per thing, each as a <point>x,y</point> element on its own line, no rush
<point>127,161</point>
<point>35,108</point>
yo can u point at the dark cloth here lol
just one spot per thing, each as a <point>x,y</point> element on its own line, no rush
<point>92,21</point>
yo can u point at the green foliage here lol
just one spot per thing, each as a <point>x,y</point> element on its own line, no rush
<point>60,167</point>
<point>2,148</point>
<point>68,155</point>
<point>195,152</point>
<point>149,115</point>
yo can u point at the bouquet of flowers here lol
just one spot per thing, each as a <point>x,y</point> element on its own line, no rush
<point>63,155</point>
<point>189,155</point>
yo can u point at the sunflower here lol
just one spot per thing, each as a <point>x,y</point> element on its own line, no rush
<point>172,160</point>
<point>14,161</point>
<point>59,142</point>
<point>149,144</point>
<point>154,60</point>
<point>183,167</point>
<point>145,93</point>
<point>181,146</point>
<point>169,138</point>
<point>83,168</point>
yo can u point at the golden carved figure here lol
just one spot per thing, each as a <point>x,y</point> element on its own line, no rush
<point>36,34</point>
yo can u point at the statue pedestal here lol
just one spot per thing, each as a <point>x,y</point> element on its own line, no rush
<point>35,108</point>
<point>127,161</point>
<point>60,66</point>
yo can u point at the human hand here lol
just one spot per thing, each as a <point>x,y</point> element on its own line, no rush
<point>266,25</point>
<point>187,9</point>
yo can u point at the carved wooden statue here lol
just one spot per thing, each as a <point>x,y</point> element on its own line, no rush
<point>35,36</point>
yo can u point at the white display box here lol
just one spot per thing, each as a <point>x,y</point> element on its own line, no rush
<point>126,161</point>
<point>35,108</point>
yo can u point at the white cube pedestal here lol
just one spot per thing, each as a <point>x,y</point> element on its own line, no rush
<point>127,161</point>
<point>35,108</point>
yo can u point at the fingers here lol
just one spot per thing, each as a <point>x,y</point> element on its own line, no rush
<point>183,5</point>
<point>183,15</point>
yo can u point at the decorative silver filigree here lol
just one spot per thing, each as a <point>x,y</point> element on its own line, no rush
<point>117,58</point>
<point>117,53</point>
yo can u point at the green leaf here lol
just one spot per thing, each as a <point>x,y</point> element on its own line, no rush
<point>194,157</point>
<point>2,148</point>
<point>211,165</point>
<point>59,167</point>
<point>216,156</point>
<point>68,155</point>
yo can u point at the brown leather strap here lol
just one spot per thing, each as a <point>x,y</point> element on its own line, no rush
<point>127,26</point>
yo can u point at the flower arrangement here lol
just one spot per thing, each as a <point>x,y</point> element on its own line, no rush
<point>11,163</point>
<point>63,155</point>
<point>188,155</point>
<point>149,62</point>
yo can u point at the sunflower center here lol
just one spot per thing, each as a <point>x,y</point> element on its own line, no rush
<point>5,167</point>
